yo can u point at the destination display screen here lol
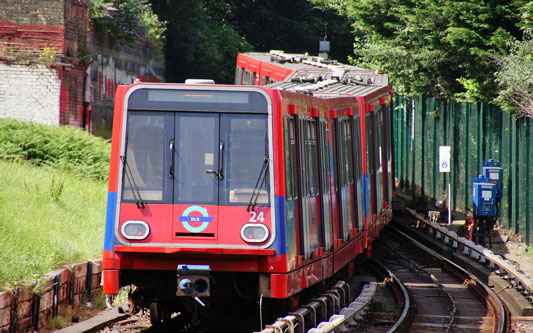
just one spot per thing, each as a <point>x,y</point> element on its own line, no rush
<point>197,100</point>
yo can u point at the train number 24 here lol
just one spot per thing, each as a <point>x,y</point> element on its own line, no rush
<point>254,217</point>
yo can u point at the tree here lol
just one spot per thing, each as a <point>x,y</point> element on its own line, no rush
<point>515,71</point>
<point>198,46</point>
<point>204,36</point>
<point>434,47</point>
<point>294,26</point>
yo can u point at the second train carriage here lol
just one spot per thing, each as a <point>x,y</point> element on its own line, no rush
<point>276,187</point>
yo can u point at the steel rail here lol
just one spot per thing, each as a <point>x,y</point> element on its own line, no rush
<point>501,315</point>
<point>520,281</point>
<point>403,298</point>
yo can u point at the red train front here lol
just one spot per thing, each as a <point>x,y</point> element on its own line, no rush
<point>228,191</point>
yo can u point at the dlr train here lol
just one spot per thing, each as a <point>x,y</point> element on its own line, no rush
<point>261,189</point>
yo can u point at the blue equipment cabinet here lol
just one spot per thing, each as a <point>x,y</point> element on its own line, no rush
<point>484,196</point>
<point>493,170</point>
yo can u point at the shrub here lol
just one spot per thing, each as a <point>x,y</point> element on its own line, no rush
<point>63,148</point>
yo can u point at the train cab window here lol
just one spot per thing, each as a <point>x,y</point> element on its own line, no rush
<point>146,162</point>
<point>246,159</point>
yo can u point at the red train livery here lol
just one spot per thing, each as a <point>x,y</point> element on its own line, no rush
<point>268,189</point>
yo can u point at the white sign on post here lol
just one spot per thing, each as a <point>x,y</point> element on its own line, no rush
<point>445,157</point>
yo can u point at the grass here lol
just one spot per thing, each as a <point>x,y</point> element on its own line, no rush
<point>42,228</point>
<point>52,199</point>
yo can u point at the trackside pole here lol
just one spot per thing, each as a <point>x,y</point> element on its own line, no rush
<point>449,204</point>
<point>445,163</point>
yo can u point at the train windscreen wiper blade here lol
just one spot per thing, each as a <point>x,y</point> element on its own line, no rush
<point>258,185</point>
<point>131,179</point>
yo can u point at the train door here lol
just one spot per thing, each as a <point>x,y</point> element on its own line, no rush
<point>308,185</point>
<point>291,189</point>
<point>358,171</point>
<point>378,157</point>
<point>219,162</point>
<point>345,172</point>
<point>323,159</point>
<point>388,150</point>
<point>369,181</point>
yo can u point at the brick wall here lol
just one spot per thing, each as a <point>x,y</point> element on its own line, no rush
<point>29,93</point>
<point>85,96</point>
<point>41,12</point>
<point>32,307</point>
<point>29,29</point>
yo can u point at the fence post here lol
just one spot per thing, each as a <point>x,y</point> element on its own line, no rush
<point>526,182</point>
<point>467,154</point>
<point>516,176</point>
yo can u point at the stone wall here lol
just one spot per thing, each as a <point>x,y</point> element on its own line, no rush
<point>118,63</point>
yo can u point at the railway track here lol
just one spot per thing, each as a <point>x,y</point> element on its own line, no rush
<point>442,296</point>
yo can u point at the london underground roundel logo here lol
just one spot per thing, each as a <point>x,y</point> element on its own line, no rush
<point>205,219</point>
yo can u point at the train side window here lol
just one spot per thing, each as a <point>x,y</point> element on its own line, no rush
<point>312,159</point>
<point>370,201</point>
<point>302,157</point>
<point>335,157</point>
<point>324,160</point>
<point>290,152</point>
<point>348,151</point>
<point>378,159</point>
<point>357,152</point>
<point>368,134</point>
<point>238,75</point>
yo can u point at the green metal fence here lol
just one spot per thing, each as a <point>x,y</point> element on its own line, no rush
<point>476,133</point>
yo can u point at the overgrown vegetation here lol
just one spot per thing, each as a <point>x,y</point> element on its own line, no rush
<point>52,198</point>
<point>128,20</point>
<point>64,148</point>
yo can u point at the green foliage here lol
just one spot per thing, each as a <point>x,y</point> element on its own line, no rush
<point>433,47</point>
<point>198,46</point>
<point>515,79</point>
<point>128,20</point>
<point>63,148</point>
<point>38,232</point>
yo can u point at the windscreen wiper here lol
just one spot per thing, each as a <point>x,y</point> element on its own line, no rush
<point>258,185</point>
<point>134,189</point>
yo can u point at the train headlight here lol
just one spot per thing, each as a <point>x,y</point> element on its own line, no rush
<point>136,230</point>
<point>254,233</point>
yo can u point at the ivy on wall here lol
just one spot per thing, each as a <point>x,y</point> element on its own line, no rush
<point>128,20</point>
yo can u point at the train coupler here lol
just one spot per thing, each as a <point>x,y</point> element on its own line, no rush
<point>194,281</point>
